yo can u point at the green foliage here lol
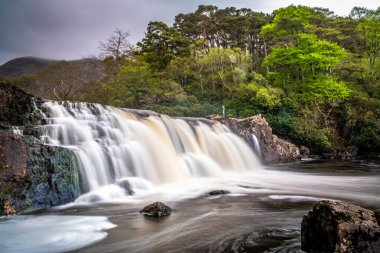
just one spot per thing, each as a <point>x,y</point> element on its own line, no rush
<point>370,30</point>
<point>162,44</point>
<point>290,20</point>
<point>314,75</point>
<point>324,89</point>
<point>310,134</point>
<point>307,59</point>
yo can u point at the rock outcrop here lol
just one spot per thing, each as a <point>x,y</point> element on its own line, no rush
<point>272,148</point>
<point>339,227</point>
<point>18,108</point>
<point>32,175</point>
<point>156,209</point>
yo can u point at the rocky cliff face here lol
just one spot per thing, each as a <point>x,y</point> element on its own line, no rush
<point>273,149</point>
<point>32,175</point>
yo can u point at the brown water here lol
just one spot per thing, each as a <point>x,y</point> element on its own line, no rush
<point>260,215</point>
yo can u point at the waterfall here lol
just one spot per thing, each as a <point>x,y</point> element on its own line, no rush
<point>256,144</point>
<point>112,144</point>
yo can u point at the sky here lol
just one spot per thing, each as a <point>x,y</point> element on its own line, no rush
<point>72,29</point>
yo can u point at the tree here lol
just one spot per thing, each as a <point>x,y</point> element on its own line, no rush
<point>307,68</point>
<point>360,12</point>
<point>116,46</point>
<point>308,59</point>
<point>59,81</point>
<point>221,70</point>
<point>162,44</point>
<point>288,21</point>
<point>370,30</point>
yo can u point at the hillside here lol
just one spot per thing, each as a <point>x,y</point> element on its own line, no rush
<point>90,68</point>
<point>53,79</point>
<point>24,66</point>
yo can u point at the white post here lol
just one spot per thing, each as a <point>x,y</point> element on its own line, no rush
<point>224,111</point>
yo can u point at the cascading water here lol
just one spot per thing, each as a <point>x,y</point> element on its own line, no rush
<point>116,147</point>
<point>256,144</point>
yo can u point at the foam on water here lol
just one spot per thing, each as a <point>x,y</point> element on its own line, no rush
<point>51,233</point>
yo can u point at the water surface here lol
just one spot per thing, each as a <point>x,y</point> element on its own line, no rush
<point>263,213</point>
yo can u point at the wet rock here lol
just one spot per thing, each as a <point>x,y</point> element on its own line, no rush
<point>273,148</point>
<point>339,227</point>
<point>126,186</point>
<point>17,108</point>
<point>33,175</point>
<point>156,209</point>
<point>218,192</point>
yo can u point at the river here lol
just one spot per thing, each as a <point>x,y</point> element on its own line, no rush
<point>127,159</point>
<point>262,213</point>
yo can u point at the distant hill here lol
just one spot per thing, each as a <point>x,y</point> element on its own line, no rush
<point>42,77</point>
<point>24,66</point>
<point>90,68</point>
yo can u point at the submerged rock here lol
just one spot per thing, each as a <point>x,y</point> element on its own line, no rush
<point>156,209</point>
<point>126,186</point>
<point>218,192</point>
<point>339,227</point>
<point>273,148</point>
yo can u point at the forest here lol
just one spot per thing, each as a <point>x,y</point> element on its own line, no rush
<point>313,75</point>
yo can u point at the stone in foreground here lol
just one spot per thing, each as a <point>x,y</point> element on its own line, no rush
<point>156,209</point>
<point>339,227</point>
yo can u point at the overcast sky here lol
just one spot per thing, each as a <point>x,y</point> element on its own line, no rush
<point>72,29</point>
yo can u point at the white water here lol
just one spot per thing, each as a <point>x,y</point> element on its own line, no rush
<point>256,145</point>
<point>51,233</point>
<point>114,147</point>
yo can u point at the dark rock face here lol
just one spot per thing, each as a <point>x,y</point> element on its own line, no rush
<point>273,149</point>
<point>339,227</point>
<point>32,175</point>
<point>18,108</point>
<point>156,209</point>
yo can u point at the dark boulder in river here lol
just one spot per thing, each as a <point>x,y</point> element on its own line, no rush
<point>339,227</point>
<point>156,209</point>
<point>218,192</point>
